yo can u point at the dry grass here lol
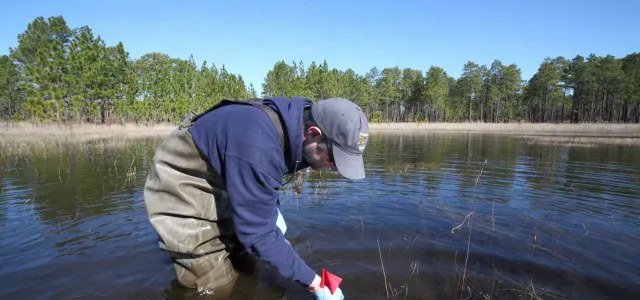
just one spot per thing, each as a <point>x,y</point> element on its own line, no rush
<point>89,131</point>
<point>24,137</point>
<point>607,133</point>
<point>582,141</point>
<point>79,131</point>
<point>592,129</point>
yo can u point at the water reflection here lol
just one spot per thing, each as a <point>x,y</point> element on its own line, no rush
<point>448,215</point>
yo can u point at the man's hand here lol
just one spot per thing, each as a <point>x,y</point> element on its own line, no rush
<point>314,287</point>
<point>324,293</point>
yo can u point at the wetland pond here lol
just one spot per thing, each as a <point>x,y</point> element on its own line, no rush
<point>446,216</point>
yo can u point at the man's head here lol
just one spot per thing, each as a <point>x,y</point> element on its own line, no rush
<point>335,135</point>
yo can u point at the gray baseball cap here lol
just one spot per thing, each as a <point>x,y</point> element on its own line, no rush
<point>346,125</point>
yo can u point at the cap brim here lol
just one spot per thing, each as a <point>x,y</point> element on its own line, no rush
<point>349,165</point>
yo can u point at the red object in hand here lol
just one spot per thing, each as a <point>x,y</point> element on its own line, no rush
<point>329,280</point>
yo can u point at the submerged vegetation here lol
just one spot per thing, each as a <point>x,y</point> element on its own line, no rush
<point>61,74</point>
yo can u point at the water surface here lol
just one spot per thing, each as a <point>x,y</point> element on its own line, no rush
<point>446,216</point>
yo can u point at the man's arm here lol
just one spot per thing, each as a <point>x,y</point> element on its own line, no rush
<point>252,195</point>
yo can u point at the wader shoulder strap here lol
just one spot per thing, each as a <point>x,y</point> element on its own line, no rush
<point>276,121</point>
<point>272,115</point>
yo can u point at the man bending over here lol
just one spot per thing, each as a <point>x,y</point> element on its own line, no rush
<point>212,190</point>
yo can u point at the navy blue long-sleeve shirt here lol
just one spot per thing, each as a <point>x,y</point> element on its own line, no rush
<point>242,145</point>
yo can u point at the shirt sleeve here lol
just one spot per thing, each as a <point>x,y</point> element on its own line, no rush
<point>252,194</point>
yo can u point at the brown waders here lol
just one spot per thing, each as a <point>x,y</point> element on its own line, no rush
<point>187,206</point>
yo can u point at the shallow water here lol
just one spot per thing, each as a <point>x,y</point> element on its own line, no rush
<point>451,216</point>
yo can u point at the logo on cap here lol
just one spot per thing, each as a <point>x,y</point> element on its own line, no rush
<point>362,141</point>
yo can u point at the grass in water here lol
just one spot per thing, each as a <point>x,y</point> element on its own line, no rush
<point>464,284</point>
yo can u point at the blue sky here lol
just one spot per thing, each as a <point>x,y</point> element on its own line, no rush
<point>249,37</point>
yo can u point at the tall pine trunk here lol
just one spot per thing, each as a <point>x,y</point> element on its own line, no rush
<point>470,109</point>
<point>544,107</point>
<point>564,100</point>
<point>593,106</point>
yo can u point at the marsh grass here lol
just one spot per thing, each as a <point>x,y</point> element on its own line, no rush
<point>400,168</point>
<point>13,151</point>
<point>582,141</point>
<point>23,140</point>
<point>84,131</point>
<point>591,129</point>
<point>56,165</point>
<point>440,282</point>
<point>456,275</point>
<point>452,278</point>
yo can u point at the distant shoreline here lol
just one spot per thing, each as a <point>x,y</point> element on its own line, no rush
<point>15,131</point>
<point>564,129</point>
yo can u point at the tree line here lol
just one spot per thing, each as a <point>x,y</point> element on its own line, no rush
<point>61,74</point>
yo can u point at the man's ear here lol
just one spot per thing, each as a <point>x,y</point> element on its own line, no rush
<point>314,132</point>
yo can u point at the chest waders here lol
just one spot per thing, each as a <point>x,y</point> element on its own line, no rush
<point>187,206</point>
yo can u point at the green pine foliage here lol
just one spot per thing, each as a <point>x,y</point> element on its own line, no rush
<point>61,74</point>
